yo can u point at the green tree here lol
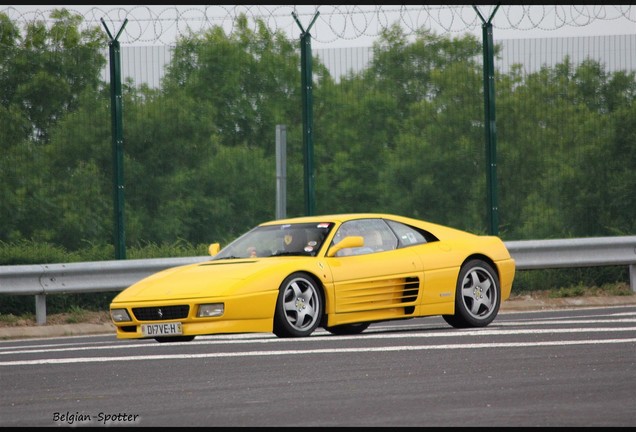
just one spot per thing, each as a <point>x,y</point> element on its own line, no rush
<point>405,139</point>
<point>50,68</point>
<point>79,163</point>
<point>405,135</point>
<point>603,189</point>
<point>200,151</point>
<point>43,74</point>
<point>620,158</point>
<point>556,132</point>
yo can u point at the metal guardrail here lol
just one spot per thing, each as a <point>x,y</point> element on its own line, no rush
<point>576,252</point>
<point>104,276</point>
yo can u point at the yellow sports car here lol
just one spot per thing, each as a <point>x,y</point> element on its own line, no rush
<point>342,272</point>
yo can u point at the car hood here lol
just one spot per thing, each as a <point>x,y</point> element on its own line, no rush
<point>208,279</point>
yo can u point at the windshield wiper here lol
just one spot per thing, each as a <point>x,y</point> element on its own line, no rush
<point>292,253</point>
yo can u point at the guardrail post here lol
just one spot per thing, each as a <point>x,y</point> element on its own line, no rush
<point>40,309</point>
<point>632,277</point>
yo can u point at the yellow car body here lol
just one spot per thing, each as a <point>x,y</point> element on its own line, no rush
<point>421,269</point>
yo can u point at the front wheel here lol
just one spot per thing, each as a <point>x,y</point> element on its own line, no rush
<point>299,306</point>
<point>478,296</point>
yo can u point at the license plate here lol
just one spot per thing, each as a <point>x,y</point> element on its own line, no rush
<point>163,329</point>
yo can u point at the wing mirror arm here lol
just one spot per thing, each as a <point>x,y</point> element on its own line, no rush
<point>214,249</point>
<point>345,243</point>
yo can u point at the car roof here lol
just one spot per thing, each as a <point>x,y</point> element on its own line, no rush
<point>440,231</point>
<point>338,217</point>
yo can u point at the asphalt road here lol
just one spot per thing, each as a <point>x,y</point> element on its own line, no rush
<point>517,303</point>
<point>561,367</point>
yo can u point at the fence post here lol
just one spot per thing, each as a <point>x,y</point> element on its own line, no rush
<point>118,141</point>
<point>490,128</point>
<point>306,84</point>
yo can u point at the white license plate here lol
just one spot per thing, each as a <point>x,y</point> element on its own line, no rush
<point>164,329</point>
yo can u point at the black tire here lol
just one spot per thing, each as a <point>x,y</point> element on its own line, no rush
<point>348,329</point>
<point>299,306</point>
<point>165,339</point>
<point>478,296</point>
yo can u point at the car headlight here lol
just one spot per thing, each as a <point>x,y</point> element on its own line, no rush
<point>119,315</point>
<point>211,310</point>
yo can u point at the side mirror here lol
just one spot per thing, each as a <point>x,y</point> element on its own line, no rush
<point>345,243</point>
<point>214,249</point>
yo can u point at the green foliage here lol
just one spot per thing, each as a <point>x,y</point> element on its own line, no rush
<point>76,304</point>
<point>16,319</point>
<point>76,314</point>
<point>29,252</point>
<point>580,290</point>
<point>403,135</point>
<point>179,248</point>
<point>553,279</point>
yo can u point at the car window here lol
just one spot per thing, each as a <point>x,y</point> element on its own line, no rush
<point>278,240</point>
<point>377,236</point>
<point>408,235</point>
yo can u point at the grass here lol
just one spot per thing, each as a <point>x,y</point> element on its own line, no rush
<point>620,289</point>
<point>11,320</point>
<point>75,315</point>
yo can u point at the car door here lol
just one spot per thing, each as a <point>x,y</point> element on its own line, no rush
<point>382,277</point>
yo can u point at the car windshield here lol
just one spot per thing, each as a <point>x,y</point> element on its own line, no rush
<point>278,240</point>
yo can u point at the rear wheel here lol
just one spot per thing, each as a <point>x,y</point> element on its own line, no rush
<point>478,296</point>
<point>299,306</point>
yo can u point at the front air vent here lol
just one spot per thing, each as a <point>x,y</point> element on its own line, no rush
<point>161,313</point>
